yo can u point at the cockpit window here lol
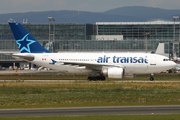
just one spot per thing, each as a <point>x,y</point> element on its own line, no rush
<point>165,59</point>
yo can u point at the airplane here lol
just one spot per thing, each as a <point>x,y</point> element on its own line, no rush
<point>96,65</point>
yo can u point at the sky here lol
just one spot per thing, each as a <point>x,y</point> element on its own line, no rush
<point>21,6</point>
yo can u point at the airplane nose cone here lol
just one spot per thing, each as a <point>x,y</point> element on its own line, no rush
<point>173,64</point>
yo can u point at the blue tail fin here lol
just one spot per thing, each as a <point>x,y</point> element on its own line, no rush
<point>25,41</point>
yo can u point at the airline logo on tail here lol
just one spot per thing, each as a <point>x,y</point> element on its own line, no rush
<point>24,43</point>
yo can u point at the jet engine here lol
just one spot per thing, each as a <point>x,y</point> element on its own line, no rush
<point>113,72</point>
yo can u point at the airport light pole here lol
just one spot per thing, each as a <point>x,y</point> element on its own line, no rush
<point>179,29</point>
<point>175,18</point>
<point>51,33</point>
<point>147,33</point>
<point>179,39</point>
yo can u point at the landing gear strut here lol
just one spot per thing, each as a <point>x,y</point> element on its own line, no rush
<point>151,77</point>
<point>96,78</point>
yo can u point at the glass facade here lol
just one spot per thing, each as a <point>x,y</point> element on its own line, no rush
<point>62,31</point>
<point>137,36</point>
<point>109,45</point>
<point>157,30</point>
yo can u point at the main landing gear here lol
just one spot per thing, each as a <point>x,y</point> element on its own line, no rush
<point>151,77</point>
<point>96,78</point>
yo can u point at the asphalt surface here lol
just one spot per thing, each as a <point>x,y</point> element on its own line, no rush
<point>118,81</point>
<point>168,109</point>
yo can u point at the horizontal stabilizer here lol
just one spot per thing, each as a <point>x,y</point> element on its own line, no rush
<point>26,57</point>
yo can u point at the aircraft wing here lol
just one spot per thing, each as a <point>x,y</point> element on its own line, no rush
<point>92,65</point>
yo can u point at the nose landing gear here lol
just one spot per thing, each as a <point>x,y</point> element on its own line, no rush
<point>151,77</point>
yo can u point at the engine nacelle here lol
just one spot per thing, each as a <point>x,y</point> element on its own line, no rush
<point>114,72</point>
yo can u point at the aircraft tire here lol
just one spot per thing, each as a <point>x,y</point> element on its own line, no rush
<point>151,78</point>
<point>90,78</point>
<point>96,78</point>
<point>103,78</point>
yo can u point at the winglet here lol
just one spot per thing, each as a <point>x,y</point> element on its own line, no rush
<point>25,41</point>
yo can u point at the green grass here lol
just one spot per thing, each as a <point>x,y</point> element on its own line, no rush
<point>44,76</point>
<point>100,117</point>
<point>76,94</point>
<point>57,76</point>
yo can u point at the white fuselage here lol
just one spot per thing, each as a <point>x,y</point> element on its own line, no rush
<point>85,63</point>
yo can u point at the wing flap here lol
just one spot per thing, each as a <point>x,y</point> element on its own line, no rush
<point>91,65</point>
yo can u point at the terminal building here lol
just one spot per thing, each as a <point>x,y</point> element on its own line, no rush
<point>101,36</point>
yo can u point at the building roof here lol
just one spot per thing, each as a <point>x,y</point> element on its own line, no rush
<point>157,22</point>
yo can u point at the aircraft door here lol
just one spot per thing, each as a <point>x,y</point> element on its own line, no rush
<point>152,60</point>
